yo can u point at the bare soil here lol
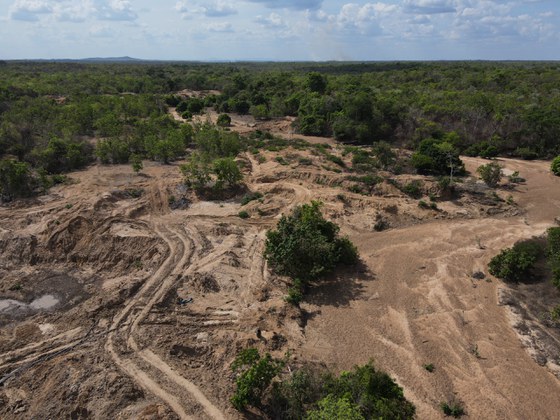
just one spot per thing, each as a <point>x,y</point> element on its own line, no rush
<point>155,298</point>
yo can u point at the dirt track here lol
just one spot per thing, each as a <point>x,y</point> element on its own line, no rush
<point>134,259</point>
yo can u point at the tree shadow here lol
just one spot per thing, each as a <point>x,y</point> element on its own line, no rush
<point>338,289</point>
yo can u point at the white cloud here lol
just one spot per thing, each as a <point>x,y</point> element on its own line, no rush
<point>118,10</point>
<point>222,27</point>
<point>290,4</point>
<point>215,9</point>
<point>73,11</point>
<point>29,10</point>
<point>219,9</point>
<point>429,6</point>
<point>273,21</point>
<point>101,31</point>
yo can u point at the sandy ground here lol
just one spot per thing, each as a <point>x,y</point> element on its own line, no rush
<point>157,291</point>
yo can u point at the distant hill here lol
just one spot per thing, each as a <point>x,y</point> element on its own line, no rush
<point>109,59</point>
<point>88,60</point>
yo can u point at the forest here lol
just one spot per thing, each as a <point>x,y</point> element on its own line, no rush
<point>57,116</point>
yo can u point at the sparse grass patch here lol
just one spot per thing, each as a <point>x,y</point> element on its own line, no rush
<point>474,351</point>
<point>428,206</point>
<point>335,159</point>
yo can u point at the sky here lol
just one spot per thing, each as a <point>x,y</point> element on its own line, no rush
<point>281,30</point>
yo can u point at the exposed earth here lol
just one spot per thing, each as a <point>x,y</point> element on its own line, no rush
<point>125,296</point>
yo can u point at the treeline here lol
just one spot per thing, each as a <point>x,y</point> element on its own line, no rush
<point>51,112</point>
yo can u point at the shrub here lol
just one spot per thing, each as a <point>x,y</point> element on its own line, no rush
<point>453,409</point>
<point>247,198</point>
<point>291,397</point>
<point>243,214</point>
<point>362,393</point>
<point>136,162</point>
<point>254,378</point>
<point>413,189</point>
<point>224,120</point>
<point>553,252</point>
<point>514,178</point>
<point>306,246</point>
<point>429,367</point>
<point>384,154</point>
<point>373,391</point>
<point>227,171</point>
<point>295,293</point>
<point>490,173</point>
<point>331,407</point>
<point>335,159</point>
<point>526,153</point>
<point>514,264</point>
<point>281,160</point>
<point>555,166</point>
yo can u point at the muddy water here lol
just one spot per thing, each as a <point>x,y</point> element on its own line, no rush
<point>44,302</point>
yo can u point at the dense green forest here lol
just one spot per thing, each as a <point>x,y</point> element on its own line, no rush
<point>56,117</point>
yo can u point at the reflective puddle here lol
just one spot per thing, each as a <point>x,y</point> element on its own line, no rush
<point>44,302</point>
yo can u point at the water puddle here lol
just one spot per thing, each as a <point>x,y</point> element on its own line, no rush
<point>7,305</point>
<point>44,302</point>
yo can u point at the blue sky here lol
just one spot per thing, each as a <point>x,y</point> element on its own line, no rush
<point>281,29</point>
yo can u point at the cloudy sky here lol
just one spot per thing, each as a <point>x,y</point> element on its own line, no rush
<point>281,29</point>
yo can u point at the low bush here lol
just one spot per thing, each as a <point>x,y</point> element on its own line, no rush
<point>453,409</point>
<point>224,120</point>
<point>490,173</point>
<point>252,196</point>
<point>413,189</point>
<point>555,166</point>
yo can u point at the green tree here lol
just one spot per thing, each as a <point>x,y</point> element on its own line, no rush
<point>254,376</point>
<point>491,173</point>
<point>306,246</point>
<point>196,171</point>
<point>316,82</point>
<point>515,264</point>
<point>384,154</point>
<point>373,391</point>
<point>113,150</point>
<point>227,171</point>
<point>16,179</point>
<point>224,120</point>
<point>332,407</point>
<point>437,158</point>
<point>136,162</point>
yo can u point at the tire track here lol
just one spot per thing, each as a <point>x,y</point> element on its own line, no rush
<point>180,254</point>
